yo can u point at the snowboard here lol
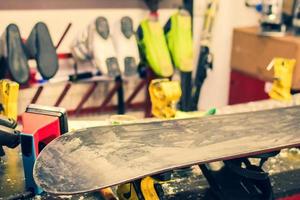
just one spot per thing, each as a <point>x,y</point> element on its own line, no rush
<point>99,157</point>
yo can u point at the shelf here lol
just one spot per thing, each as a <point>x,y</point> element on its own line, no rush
<point>80,4</point>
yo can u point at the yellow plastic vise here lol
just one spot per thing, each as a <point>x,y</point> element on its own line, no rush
<point>9,91</point>
<point>164,96</point>
<point>283,77</point>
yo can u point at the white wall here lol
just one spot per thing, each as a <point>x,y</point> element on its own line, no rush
<point>57,20</point>
<point>232,13</point>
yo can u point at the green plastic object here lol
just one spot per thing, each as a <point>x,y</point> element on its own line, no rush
<point>211,111</point>
<point>180,41</point>
<point>155,48</point>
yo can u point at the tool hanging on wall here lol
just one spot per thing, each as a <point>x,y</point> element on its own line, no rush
<point>283,77</point>
<point>205,60</point>
<point>152,43</point>
<point>178,31</point>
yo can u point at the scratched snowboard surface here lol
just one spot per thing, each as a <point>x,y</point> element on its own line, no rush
<point>98,157</point>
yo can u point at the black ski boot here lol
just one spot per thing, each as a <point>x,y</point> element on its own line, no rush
<point>40,47</point>
<point>13,55</point>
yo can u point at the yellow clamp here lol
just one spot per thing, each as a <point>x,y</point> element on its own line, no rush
<point>164,96</point>
<point>283,77</point>
<point>127,192</point>
<point>147,187</point>
<point>9,91</point>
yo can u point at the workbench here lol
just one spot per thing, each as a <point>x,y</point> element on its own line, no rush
<point>284,169</point>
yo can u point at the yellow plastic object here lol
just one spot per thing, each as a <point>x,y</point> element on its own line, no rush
<point>127,192</point>
<point>164,96</point>
<point>148,189</point>
<point>283,77</point>
<point>209,17</point>
<point>9,91</point>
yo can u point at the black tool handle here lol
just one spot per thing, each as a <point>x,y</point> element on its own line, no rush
<point>7,122</point>
<point>8,137</point>
<point>24,195</point>
<point>186,87</point>
<point>153,5</point>
<point>80,76</point>
<point>120,94</point>
<point>201,73</point>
